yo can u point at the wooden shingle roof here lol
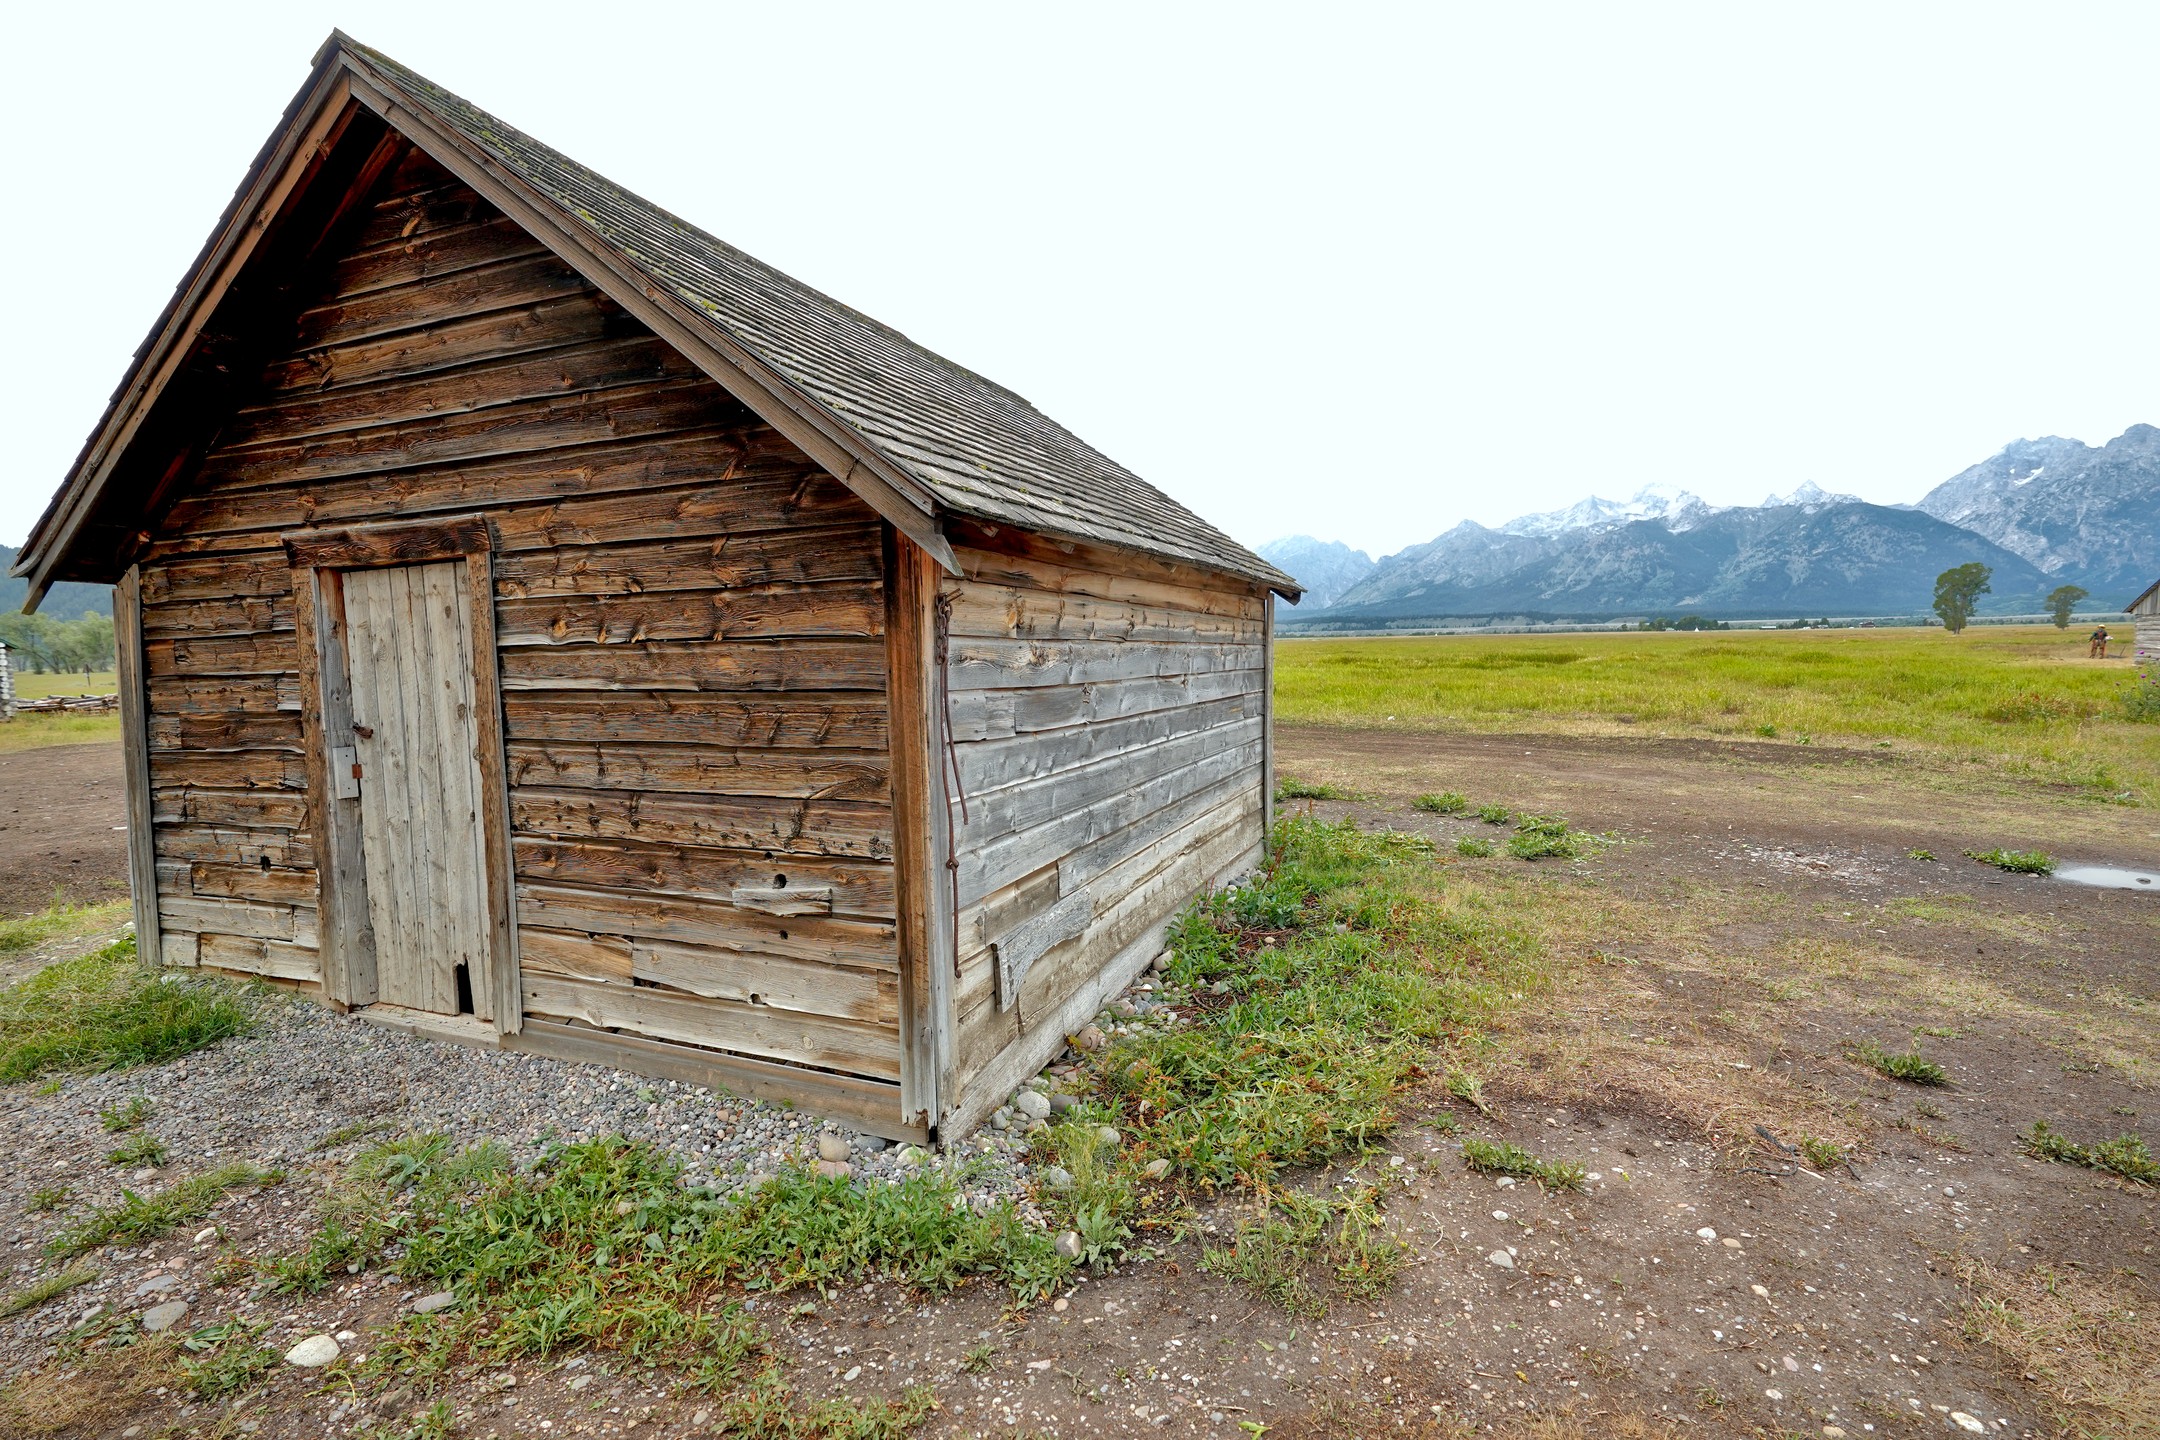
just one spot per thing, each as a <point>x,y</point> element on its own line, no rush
<point>930,434</point>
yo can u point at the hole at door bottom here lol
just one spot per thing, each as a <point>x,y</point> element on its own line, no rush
<point>265,864</point>
<point>779,882</point>
<point>464,990</point>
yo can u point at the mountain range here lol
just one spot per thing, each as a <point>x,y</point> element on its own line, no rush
<point>2040,513</point>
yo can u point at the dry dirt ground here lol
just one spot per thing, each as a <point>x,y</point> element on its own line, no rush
<point>63,827</point>
<point>1759,913</point>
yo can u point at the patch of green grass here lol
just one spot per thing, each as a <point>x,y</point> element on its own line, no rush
<point>1920,854</point>
<point>26,932</point>
<point>224,1360</point>
<point>37,1292</point>
<point>1853,687</point>
<point>138,1149</point>
<point>2017,862</point>
<point>1494,814</point>
<point>1288,788</point>
<point>35,732</point>
<point>1911,1067</point>
<point>1447,802</point>
<point>48,1197</point>
<point>1543,837</point>
<point>1472,848</point>
<point>1496,1157</point>
<point>1326,1026</point>
<point>2125,1155</point>
<point>1282,1254</point>
<point>103,1011</point>
<point>119,1119</point>
<point>145,1217</point>
<point>602,1245</point>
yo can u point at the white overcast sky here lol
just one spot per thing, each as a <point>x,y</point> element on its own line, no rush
<point>1359,271</point>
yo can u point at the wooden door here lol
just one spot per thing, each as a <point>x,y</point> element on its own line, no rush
<point>415,736</point>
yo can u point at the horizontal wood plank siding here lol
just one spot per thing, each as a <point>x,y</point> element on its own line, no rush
<point>690,622</point>
<point>1107,722</point>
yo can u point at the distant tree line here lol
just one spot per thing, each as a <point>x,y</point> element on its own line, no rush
<point>41,643</point>
<point>1685,622</point>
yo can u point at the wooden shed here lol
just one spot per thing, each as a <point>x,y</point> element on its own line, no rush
<point>543,625</point>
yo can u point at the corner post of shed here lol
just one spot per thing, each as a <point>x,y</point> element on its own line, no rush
<point>1267,715</point>
<point>921,828</point>
<point>135,756</point>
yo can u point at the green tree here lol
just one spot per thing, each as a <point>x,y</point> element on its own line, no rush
<point>2062,600</point>
<point>1958,591</point>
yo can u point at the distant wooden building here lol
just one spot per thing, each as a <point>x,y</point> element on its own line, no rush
<point>2145,613</point>
<point>543,625</point>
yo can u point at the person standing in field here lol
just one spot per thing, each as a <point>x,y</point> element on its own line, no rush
<point>2097,650</point>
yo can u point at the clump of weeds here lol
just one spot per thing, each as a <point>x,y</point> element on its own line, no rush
<point>139,1149</point>
<point>119,1119</point>
<point>1543,837</point>
<point>1497,1157</point>
<point>1494,814</point>
<point>1820,1153</point>
<point>1289,788</point>
<point>2125,1155</point>
<point>1447,802</point>
<point>2017,862</point>
<point>1912,1067</point>
<point>1472,848</point>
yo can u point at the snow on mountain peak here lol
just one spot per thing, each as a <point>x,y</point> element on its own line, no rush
<point>1809,493</point>
<point>1652,502</point>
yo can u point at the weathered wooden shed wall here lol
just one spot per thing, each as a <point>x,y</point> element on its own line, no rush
<point>1108,716</point>
<point>690,617</point>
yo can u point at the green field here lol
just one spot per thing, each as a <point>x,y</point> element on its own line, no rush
<point>66,682</point>
<point>2024,698</point>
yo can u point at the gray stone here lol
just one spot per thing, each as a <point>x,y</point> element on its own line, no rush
<point>1502,1259</point>
<point>429,1304</point>
<point>313,1353</point>
<point>1156,1169</point>
<point>580,1382</point>
<point>1108,1135</point>
<point>157,1283</point>
<point>1057,1177</point>
<point>834,1169</point>
<point>163,1317</point>
<point>1033,1104</point>
<point>1068,1244</point>
<point>1061,1102</point>
<point>872,1144</point>
<point>1091,1038</point>
<point>1163,961</point>
<point>832,1147</point>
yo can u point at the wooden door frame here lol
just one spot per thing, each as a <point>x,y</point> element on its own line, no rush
<point>319,559</point>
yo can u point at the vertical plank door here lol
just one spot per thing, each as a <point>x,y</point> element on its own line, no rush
<point>409,638</point>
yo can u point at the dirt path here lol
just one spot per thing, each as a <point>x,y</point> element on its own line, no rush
<point>63,827</point>
<point>1761,913</point>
